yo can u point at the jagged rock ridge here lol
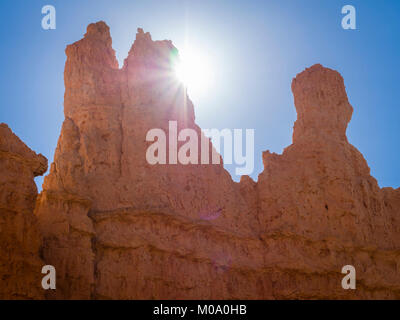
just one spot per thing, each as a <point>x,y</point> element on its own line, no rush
<point>116,227</point>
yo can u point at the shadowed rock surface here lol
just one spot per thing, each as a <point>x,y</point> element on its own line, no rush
<point>116,227</point>
<point>20,241</point>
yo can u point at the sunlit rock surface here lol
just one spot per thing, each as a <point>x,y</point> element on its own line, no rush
<point>318,206</point>
<point>117,227</point>
<point>114,225</point>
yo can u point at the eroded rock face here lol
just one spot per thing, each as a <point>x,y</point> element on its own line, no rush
<point>100,170</point>
<point>20,263</point>
<point>319,207</point>
<point>115,226</point>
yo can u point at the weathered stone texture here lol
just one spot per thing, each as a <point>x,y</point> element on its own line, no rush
<point>20,240</point>
<point>115,226</point>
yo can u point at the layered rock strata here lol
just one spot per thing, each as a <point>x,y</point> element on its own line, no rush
<point>117,227</point>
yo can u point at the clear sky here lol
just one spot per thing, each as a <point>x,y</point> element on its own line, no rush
<point>255,48</point>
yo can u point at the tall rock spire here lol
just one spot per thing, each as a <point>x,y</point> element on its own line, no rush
<point>323,110</point>
<point>115,226</point>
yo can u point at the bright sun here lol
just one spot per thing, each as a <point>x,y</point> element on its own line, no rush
<point>194,71</point>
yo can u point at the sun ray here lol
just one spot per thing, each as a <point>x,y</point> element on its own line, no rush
<point>193,71</point>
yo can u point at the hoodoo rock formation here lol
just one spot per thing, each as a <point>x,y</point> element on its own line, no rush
<point>20,241</point>
<point>116,227</point>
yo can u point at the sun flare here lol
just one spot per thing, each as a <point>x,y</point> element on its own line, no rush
<point>194,71</point>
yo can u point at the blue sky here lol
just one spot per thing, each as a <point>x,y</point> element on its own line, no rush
<point>256,48</point>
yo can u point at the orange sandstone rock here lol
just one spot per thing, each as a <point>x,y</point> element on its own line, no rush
<point>20,262</point>
<point>116,227</point>
<point>319,207</point>
<point>100,170</point>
